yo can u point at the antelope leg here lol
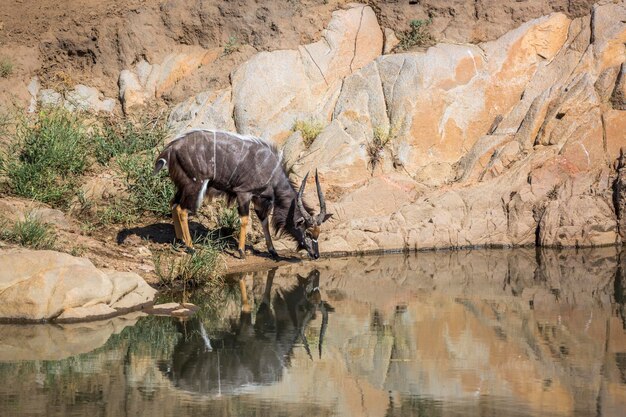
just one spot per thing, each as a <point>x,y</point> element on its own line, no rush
<point>268,238</point>
<point>245,305</point>
<point>176,220</point>
<point>184,226</point>
<point>242,236</point>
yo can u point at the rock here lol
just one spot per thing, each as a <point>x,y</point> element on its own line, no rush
<point>208,110</point>
<point>173,309</point>
<point>510,166</point>
<point>608,34</point>
<point>15,209</point>
<point>50,98</point>
<point>81,98</point>
<point>391,41</point>
<point>48,285</point>
<point>88,99</point>
<point>273,89</point>
<point>146,82</point>
<point>618,98</point>
<point>620,194</point>
<point>33,89</point>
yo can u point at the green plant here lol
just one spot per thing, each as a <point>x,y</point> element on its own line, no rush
<point>228,218</point>
<point>30,232</point>
<point>78,250</point>
<point>116,211</point>
<point>310,130</point>
<point>382,138</point>
<point>232,46</point>
<point>198,269</point>
<point>125,137</point>
<point>47,157</point>
<point>6,67</point>
<point>148,192</point>
<point>417,35</point>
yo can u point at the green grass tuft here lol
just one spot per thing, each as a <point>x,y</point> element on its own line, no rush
<point>382,138</point>
<point>125,137</point>
<point>232,46</point>
<point>228,218</point>
<point>309,129</point>
<point>148,193</point>
<point>198,269</point>
<point>47,157</point>
<point>30,232</point>
<point>417,35</point>
<point>6,67</point>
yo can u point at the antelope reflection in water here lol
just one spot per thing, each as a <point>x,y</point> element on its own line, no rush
<point>250,353</point>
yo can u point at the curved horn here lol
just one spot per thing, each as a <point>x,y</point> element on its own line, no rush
<point>320,195</point>
<point>324,326</point>
<point>307,217</point>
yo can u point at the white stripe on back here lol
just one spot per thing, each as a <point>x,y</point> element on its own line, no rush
<point>247,138</point>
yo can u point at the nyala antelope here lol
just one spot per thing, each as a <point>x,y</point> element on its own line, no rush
<point>246,169</point>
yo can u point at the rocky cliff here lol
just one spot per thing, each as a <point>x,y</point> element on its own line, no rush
<point>508,142</point>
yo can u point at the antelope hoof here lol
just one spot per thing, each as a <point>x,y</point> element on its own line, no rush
<point>242,254</point>
<point>190,250</point>
<point>273,254</point>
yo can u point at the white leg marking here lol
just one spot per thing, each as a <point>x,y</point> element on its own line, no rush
<point>201,194</point>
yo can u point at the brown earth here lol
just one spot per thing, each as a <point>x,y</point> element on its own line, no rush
<point>91,41</point>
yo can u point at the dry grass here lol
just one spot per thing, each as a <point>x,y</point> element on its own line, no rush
<point>310,130</point>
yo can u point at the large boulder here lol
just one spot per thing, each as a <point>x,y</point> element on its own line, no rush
<point>145,82</point>
<point>81,98</point>
<point>49,285</point>
<point>272,90</point>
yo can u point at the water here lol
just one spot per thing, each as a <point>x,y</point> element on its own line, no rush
<point>474,333</point>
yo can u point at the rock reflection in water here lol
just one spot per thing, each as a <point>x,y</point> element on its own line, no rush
<point>248,353</point>
<point>467,333</point>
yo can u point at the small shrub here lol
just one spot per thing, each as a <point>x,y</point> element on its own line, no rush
<point>228,218</point>
<point>47,157</point>
<point>6,67</point>
<point>382,138</point>
<point>60,81</point>
<point>417,35</point>
<point>309,129</point>
<point>30,232</point>
<point>198,269</point>
<point>148,192</point>
<point>115,212</point>
<point>116,137</point>
<point>232,46</point>
<point>78,250</point>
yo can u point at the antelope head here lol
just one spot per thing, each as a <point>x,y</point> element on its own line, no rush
<point>307,226</point>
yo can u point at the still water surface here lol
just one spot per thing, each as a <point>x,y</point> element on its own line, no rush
<point>474,333</point>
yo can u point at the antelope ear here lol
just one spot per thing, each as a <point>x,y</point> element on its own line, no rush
<point>328,216</point>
